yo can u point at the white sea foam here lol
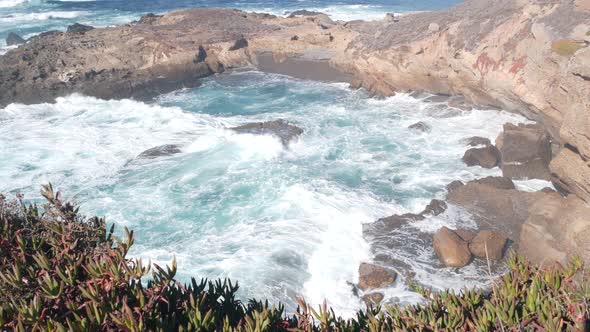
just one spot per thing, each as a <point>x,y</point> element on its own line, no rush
<point>49,15</point>
<point>11,3</point>
<point>283,221</point>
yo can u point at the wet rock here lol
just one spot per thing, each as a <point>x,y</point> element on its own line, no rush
<point>493,242</point>
<point>494,204</point>
<point>79,28</point>
<point>160,151</point>
<point>420,126</point>
<point>239,44</point>
<point>388,224</point>
<point>201,55</point>
<point>280,128</point>
<point>373,299</point>
<point>525,151</point>
<point>149,18</point>
<point>498,182</point>
<point>466,234</point>
<point>435,207</point>
<point>488,157</point>
<point>451,249</point>
<point>373,276</point>
<point>304,12</point>
<point>14,39</point>
<point>477,141</point>
<point>454,185</point>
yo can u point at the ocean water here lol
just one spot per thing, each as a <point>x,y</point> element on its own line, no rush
<point>284,222</point>
<point>31,17</point>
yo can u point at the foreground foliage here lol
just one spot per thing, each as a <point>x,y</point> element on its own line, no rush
<point>60,271</point>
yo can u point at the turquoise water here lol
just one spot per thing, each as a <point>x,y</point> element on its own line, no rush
<point>282,221</point>
<point>31,17</point>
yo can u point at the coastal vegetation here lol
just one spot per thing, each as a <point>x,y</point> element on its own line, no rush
<point>62,271</point>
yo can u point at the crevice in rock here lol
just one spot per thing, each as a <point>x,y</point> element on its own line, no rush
<point>584,77</point>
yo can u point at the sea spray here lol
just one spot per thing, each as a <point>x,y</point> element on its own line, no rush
<point>284,221</point>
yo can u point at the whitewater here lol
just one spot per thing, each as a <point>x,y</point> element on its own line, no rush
<point>283,221</point>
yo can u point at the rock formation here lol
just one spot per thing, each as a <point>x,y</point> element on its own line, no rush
<point>279,128</point>
<point>160,151</point>
<point>14,39</point>
<point>486,157</point>
<point>451,249</point>
<point>531,57</point>
<point>373,277</point>
<point>525,151</point>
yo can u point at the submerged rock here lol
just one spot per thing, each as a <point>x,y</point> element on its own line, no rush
<point>79,28</point>
<point>373,276</point>
<point>388,224</point>
<point>451,249</point>
<point>488,157</point>
<point>435,207</point>
<point>160,151</point>
<point>14,39</point>
<point>420,126</point>
<point>492,242</point>
<point>280,128</point>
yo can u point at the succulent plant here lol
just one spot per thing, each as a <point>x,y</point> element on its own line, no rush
<point>61,271</point>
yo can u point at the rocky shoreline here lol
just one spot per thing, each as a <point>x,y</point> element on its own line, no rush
<point>521,56</point>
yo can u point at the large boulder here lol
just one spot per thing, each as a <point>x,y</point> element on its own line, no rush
<point>494,204</point>
<point>489,242</point>
<point>280,128</point>
<point>79,28</point>
<point>14,39</point>
<point>373,276</point>
<point>486,157</point>
<point>451,249</point>
<point>160,151</point>
<point>420,126</point>
<point>525,151</point>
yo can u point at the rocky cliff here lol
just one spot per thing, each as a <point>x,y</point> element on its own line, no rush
<point>526,56</point>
